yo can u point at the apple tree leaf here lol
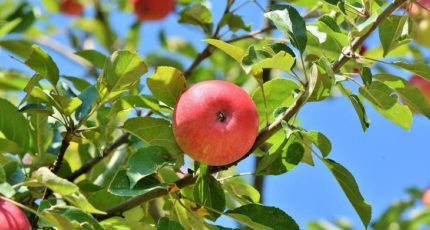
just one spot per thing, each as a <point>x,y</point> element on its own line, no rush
<point>288,20</point>
<point>13,125</point>
<point>198,15</point>
<point>407,92</point>
<point>385,102</point>
<point>166,224</point>
<point>167,84</point>
<point>147,161</point>
<point>349,186</point>
<point>263,217</point>
<point>235,52</point>
<point>153,131</point>
<point>208,192</point>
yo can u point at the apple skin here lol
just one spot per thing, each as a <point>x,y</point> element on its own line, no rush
<point>426,197</point>
<point>11,217</point>
<point>71,7</point>
<point>215,122</point>
<point>153,10</point>
<point>417,9</point>
<point>422,84</point>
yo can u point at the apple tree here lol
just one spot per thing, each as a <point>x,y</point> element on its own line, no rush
<point>133,141</point>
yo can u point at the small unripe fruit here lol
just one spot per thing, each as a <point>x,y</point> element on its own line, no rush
<point>215,122</point>
<point>422,84</point>
<point>12,218</point>
<point>422,31</point>
<point>153,10</point>
<point>71,7</point>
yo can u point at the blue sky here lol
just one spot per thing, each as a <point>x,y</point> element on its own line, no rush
<point>384,160</point>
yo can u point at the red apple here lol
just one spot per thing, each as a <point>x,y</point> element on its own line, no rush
<point>11,217</point>
<point>215,122</point>
<point>153,10</point>
<point>71,7</point>
<point>417,8</point>
<point>426,197</point>
<point>422,85</point>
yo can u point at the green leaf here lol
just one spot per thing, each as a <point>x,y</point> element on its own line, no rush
<point>209,193</point>
<point>263,217</point>
<point>382,98</point>
<point>360,110</point>
<point>321,80</point>
<point>45,177</point>
<point>320,141</point>
<point>285,157</point>
<point>256,60</point>
<point>234,22</point>
<point>7,190</point>
<point>241,191</point>
<point>6,27</point>
<point>93,56</point>
<point>235,52</point>
<point>7,146</point>
<point>137,101</point>
<point>366,76</point>
<point>198,15</point>
<point>418,68</point>
<point>121,186</point>
<point>79,201</point>
<point>66,215</point>
<point>42,63</point>
<point>350,188</point>
<point>394,31</point>
<point>42,133</point>
<point>88,97</point>
<point>121,72</point>
<point>409,94</point>
<point>80,84</point>
<point>167,84</point>
<point>280,92</point>
<point>13,125</point>
<point>289,22</point>
<point>12,81</point>
<point>18,47</point>
<point>165,224</point>
<point>153,131</point>
<point>66,105</point>
<point>146,162</point>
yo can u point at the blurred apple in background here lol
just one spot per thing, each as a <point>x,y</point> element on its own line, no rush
<point>71,7</point>
<point>153,10</point>
<point>426,197</point>
<point>422,84</point>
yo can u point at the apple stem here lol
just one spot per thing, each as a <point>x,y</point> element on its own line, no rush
<point>221,116</point>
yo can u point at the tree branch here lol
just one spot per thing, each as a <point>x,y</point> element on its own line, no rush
<point>123,139</point>
<point>263,135</point>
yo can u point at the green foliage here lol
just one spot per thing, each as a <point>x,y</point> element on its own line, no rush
<point>263,217</point>
<point>96,150</point>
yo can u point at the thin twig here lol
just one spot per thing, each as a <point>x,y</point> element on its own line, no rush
<point>63,50</point>
<point>123,139</point>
